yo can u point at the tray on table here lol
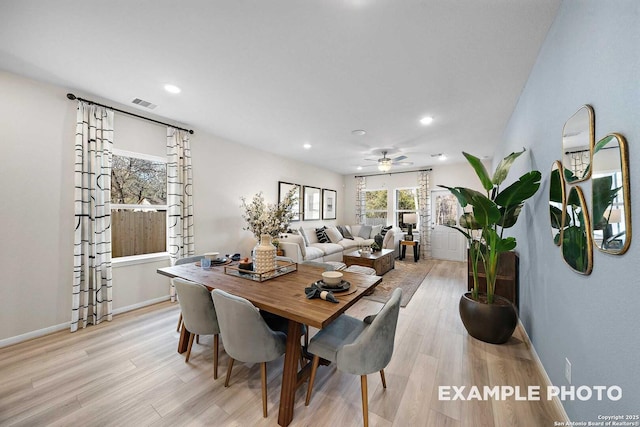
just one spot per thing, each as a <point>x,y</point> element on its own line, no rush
<point>283,267</point>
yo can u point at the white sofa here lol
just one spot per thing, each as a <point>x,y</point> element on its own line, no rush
<point>296,247</point>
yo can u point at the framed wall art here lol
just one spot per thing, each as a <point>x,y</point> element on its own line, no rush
<point>283,189</point>
<point>329,201</point>
<point>312,209</point>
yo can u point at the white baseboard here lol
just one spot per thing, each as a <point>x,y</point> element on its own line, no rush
<point>56,328</point>
<point>34,334</point>
<point>546,378</point>
<point>141,304</point>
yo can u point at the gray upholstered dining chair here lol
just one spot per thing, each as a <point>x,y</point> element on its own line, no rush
<point>180,261</point>
<point>246,336</point>
<point>358,347</point>
<point>199,315</point>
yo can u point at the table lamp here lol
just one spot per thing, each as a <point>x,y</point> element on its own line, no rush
<point>410,219</point>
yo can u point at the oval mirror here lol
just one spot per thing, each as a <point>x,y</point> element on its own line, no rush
<point>577,246</point>
<point>577,145</point>
<point>557,206</point>
<point>610,199</point>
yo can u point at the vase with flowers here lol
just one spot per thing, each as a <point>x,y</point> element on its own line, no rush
<point>266,221</point>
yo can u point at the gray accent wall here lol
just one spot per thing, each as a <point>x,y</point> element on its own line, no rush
<point>591,56</point>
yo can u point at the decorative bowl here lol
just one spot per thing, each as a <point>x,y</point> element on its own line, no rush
<point>212,255</point>
<point>332,278</point>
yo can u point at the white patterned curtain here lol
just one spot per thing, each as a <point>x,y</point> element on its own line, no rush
<point>361,185</point>
<point>179,197</point>
<point>424,211</point>
<point>92,293</point>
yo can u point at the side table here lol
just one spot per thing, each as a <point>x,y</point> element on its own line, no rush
<point>416,249</point>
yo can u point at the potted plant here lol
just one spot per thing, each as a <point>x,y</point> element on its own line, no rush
<point>489,317</point>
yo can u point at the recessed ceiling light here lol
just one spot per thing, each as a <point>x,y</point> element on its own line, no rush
<point>426,120</point>
<point>359,168</point>
<point>359,132</point>
<point>172,89</point>
<point>442,157</point>
<point>307,146</point>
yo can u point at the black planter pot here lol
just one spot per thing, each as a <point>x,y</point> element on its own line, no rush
<point>492,323</point>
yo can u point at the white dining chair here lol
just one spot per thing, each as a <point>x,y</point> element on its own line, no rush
<point>180,261</point>
<point>246,336</point>
<point>199,315</point>
<point>359,347</point>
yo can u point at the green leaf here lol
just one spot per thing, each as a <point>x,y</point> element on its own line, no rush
<point>555,186</point>
<point>602,143</point>
<point>520,190</point>
<point>509,216</point>
<point>481,171</point>
<point>457,192</point>
<point>602,198</point>
<point>503,167</point>
<point>506,244</point>
<point>485,211</point>
<point>556,217</point>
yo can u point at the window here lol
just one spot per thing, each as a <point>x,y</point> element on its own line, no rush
<point>376,207</point>
<point>138,204</point>
<point>406,203</point>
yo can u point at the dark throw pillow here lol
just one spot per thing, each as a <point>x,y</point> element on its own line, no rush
<point>322,235</point>
<point>385,229</point>
<point>345,232</point>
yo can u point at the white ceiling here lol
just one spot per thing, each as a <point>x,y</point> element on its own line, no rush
<point>280,73</point>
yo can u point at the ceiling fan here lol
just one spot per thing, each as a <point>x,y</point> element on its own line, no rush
<point>385,163</point>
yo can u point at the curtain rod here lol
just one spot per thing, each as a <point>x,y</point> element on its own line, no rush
<point>586,151</point>
<point>73,97</point>
<point>393,173</point>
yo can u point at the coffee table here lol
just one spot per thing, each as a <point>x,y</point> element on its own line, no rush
<point>381,261</point>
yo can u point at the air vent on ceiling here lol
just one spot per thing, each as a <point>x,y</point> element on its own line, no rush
<point>143,103</point>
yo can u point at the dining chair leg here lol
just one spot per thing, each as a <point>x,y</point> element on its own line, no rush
<point>263,375</point>
<point>197,339</point>
<point>191,336</point>
<point>226,381</point>
<point>215,356</point>
<point>312,378</point>
<point>179,322</point>
<point>384,381</point>
<point>365,400</point>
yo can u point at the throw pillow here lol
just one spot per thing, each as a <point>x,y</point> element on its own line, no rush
<point>375,230</point>
<point>387,242</point>
<point>304,236</point>
<point>345,232</point>
<point>322,235</point>
<point>385,229</point>
<point>333,234</point>
<point>365,231</point>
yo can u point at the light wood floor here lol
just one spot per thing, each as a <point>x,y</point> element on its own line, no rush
<point>128,373</point>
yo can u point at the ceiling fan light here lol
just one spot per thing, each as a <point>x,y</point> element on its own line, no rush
<point>384,166</point>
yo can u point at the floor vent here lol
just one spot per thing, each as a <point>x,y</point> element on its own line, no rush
<point>144,103</point>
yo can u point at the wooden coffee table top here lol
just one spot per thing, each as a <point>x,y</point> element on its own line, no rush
<point>372,255</point>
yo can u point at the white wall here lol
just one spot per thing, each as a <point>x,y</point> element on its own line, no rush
<point>591,56</point>
<point>36,189</point>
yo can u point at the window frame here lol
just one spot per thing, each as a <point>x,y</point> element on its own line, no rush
<point>385,210</point>
<point>397,211</point>
<point>152,256</point>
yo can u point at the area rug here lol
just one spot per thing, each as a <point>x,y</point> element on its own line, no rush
<point>407,275</point>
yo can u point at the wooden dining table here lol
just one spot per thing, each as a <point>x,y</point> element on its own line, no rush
<point>284,296</point>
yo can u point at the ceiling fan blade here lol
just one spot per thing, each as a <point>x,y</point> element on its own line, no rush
<point>397,159</point>
<point>372,160</point>
<point>402,163</point>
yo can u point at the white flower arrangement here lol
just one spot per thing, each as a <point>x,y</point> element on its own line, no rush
<point>268,218</point>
